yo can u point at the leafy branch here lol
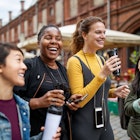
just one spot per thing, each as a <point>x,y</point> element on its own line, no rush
<point>134,57</point>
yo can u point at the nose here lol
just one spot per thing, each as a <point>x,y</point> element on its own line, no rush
<point>24,66</point>
<point>103,36</point>
<point>53,40</point>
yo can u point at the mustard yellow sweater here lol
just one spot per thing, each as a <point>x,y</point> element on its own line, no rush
<point>75,76</point>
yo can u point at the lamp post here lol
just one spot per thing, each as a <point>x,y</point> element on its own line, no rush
<point>108,14</point>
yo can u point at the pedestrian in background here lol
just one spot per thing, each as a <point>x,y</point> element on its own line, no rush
<point>88,73</point>
<point>132,105</point>
<point>45,81</point>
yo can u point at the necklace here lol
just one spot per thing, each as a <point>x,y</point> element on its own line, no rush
<point>88,63</point>
<point>55,75</point>
<point>59,74</point>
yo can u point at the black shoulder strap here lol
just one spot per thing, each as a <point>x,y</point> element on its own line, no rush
<point>87,74</point>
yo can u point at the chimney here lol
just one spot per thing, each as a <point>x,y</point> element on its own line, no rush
<point>10,16</point>
<point>22,6</point>
<point>0,23</point>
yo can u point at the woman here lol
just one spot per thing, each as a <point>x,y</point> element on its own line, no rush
<point>14,111</point>
<point>12,107</point>
<point>88,74</point>
<point>132,105</point>
<point>45,81</point>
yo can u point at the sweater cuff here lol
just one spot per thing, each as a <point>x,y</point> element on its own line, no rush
<point>136,105</point>
<point>101,79</point>
<point>111,93</point>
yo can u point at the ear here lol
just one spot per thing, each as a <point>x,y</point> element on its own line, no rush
<point>0,68</point>
<point>84,35</point>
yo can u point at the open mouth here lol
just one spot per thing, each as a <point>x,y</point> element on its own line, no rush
<point>101,42</point>
<point>21,75</point>
<point>53,49</point>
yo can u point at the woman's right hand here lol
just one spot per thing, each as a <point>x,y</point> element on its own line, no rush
<point>52,97</point>
<point>72,105</point>
<point>112,64</point>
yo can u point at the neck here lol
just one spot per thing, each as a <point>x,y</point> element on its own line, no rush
<point>5,94</point>
<point>6,90</point>
<point>50,63</point>
<point>89,51</point>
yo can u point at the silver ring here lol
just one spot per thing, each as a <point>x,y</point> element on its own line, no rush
<point>53,100</point>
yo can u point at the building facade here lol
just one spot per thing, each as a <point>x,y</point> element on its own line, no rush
<point>121,15</point>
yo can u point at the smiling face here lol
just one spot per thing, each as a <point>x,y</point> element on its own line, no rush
<point>94,39</point>
<point>50,44</point>
<point>12,72</point>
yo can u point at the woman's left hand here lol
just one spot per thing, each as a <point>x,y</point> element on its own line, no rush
<point>122,91</point>
<point>72,105</point>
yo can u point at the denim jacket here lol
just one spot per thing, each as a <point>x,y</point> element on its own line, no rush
<point>23,115</point>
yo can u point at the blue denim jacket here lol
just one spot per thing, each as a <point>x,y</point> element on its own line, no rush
<point>23,114</point>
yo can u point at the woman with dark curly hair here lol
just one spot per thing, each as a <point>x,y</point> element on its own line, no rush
<point>132,105</point>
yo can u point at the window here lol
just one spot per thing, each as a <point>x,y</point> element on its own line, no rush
<point>73,8</point>
<point>98,2</point>
<point>51,11</point>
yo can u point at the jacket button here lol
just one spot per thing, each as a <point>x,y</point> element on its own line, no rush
<point>24,129</point>
<point>24,113</point>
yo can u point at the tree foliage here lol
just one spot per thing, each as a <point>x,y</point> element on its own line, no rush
<point>134,56</point>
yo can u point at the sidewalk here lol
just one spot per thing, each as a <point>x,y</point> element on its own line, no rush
<point>119,133</point>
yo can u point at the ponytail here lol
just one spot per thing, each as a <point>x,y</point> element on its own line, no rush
<point>77,41</point>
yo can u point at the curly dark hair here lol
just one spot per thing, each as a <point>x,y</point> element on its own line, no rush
<point>136,80</point>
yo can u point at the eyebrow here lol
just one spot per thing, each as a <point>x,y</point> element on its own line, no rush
<point>18,55</point>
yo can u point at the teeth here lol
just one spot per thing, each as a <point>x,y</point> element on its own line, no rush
<point>53,49</point>
<point>22,75</point>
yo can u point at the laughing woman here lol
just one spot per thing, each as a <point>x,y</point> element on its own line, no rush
<point>46,82</point>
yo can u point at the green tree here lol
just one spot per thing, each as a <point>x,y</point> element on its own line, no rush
<point>134,57</point>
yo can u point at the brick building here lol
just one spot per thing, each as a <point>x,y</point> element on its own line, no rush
<point>121,15</point>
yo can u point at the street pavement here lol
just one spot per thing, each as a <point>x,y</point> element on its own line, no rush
<point>119,133</point>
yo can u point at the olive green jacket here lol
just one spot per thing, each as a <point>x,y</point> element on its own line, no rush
<point>132,109</point>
